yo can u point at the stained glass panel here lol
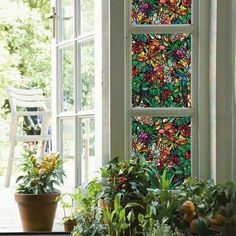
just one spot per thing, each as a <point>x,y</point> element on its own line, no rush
<point>161,70</point>
<point>166,142</point>
<point>156,12</point>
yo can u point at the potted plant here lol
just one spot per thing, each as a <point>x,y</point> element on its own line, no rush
<point>68,204</point>
<point>224,210</point>
<point>130,178</point>
<point>199,207</point>
<point>162,209</point>
<point>89,225</point>
<point>117,219</point>
<point>88,214</point>
<point>78,204</point>
<point>36,194</point>
<point>152,227</point>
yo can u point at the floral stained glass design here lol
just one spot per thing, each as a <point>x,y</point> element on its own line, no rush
<point>161,70</point>
<point>156,12</point>
<point>165,141</point>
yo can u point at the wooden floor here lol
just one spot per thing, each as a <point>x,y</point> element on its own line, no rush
<point>9,216</point>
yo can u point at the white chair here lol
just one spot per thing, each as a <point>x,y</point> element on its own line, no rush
<point>19,100</point>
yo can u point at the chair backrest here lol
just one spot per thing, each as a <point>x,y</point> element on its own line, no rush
<point>26,98</point>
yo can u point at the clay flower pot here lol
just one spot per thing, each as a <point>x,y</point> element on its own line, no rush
<point>37,211</point>
<point>69,225</point>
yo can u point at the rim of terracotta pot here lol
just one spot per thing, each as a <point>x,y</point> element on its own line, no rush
<point>27,198</point>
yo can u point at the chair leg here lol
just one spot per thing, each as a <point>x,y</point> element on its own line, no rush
<point>10,162</point>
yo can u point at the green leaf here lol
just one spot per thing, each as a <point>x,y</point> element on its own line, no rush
<point>131,216</point>
<point>122,215</point>
<point>117,201</point>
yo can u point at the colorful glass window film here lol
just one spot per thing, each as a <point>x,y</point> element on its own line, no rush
<point>156,12</point>
<point>161,70</point>
<point>166,142</point>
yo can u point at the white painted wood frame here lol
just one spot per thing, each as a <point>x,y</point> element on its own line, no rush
<point>77,114</point>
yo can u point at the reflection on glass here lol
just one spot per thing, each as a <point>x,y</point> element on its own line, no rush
<point>67,19</point>
<point>68,88</point>
<point>68,150</point>
<point>88,161</point>
<point>87,74</point>
<point>87,16</point>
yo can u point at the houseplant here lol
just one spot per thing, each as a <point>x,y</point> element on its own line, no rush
<point>36,192</point>
<point>200,206</point>
<point>79,206</point>
<point>130,178</point>
<point>88,214</point>
<point>68,205</point>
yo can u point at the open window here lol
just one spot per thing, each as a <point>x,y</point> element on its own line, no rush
<point>75,88</point>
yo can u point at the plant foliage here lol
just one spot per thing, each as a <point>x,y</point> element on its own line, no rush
<point>40,177</point>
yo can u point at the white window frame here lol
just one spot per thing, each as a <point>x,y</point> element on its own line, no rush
<point>100,78</point>
<point>192,29</point>
<point>121,109</point>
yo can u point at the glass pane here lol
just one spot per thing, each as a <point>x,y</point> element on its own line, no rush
<point>161,70</point>
<point>87,16</point>
<point>165,141</point>
<point>68,150</point>
<point>68,87</point>
<point>67,19</point>
<point>156,12</point>
<point>89,164</point>
<point>87,74</point>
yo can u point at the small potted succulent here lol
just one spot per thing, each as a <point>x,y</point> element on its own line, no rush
<point>36,194</point>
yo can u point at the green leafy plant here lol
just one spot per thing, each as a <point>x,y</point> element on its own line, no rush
<point>85,210</point>
<point>165,182</point>
<point>85,199</point>
<point>207,204</point>
<point>130,178</point>
<point>68,205</point>
<point>89,226</point>
<point>118,220</point>
<point>152,227</point>
<point>164,207</point>
<point>40,176</point>
<point>224,197</point>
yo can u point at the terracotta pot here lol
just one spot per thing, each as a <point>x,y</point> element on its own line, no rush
<point>69,225</point>
<point>103,204</point>
<point>37,211</point>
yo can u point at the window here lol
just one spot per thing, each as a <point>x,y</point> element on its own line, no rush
<point>135,104</point>
<point>75,89</point>
<point>162,84</point>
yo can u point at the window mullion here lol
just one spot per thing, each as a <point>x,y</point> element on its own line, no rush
<point>161,29</point>
<point>194,92</point>
<point>162,112</point>
<point>128,80</point>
